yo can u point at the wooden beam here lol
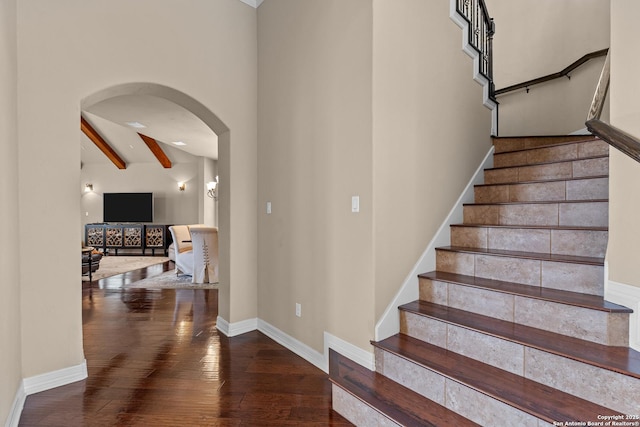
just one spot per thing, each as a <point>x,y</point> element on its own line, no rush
<point>103,145</point>
<point>156,150</point>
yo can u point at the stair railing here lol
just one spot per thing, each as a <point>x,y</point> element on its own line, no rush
<point>615,137</point>
<point>563,73</point>
<point>481,30</point>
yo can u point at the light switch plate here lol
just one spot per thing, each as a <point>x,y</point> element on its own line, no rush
<point>355,203</point>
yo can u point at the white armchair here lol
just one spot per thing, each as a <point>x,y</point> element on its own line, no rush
<point>205,254</point>
<point>183,249</point>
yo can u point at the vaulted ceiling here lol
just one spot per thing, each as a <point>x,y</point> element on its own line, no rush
<point>165,125</point>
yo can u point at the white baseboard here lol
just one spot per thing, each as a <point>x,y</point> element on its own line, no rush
<point>583,131</point>
<point>43,382</point>
<point>389,323</point>
<point>58,378</point>
<point>319,360</point>
<point>237,328</point>
<point>298,347</point>
<point>358,355</point>
<point>628,296</point>
<point>16,408</point>
<point>253,3</point>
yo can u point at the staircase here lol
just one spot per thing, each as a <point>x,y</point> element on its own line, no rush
<point>512,327</point>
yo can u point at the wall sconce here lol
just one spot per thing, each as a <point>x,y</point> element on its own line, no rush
<point>212,189</point>
<point>182,186</point>
<point>88,188</point>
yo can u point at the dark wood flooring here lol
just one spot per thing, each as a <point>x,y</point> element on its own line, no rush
<point>155,358</point>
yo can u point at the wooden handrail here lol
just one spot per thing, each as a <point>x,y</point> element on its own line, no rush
<point>628,144</point>
<point>615,137</point>
<point>564,73</point>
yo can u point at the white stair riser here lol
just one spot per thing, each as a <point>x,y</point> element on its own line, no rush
<point>463,400</point>
<point>547,274</point>
<point>581,189</point>
<point>591,243</point>
<point>563,170</point>
<point>579,322</point>
<point>551,154</point>
<point>583,214</point>
<point>603,387</point>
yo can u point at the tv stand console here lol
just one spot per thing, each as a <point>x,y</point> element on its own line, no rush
<point>127,236</point>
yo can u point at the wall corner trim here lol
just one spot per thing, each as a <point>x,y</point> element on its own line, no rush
<point>628,296</point>
<point>389,323</point>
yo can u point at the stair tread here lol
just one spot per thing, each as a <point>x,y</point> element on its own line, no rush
<point>516,391</point>
<point>551,162</point>
<point>542,181</point>
<point>541,202</point>
<point>526,255</point>
<point>576,299</point>
<point>587,138</point>
<point>392,399</point>
<point>534,227</point>
<point>623,360</point>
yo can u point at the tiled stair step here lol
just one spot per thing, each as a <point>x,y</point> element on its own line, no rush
<point>480,392</point>
<point>570,213</point>
<point>589,317</point>
<point>552,153</point>
<point>504,144</point>
<point>565,272</point>
<point>565,169</point>
<point>548,190</point>
<point>369,398</point>
<point>581,241</point>
<point>608,376</point>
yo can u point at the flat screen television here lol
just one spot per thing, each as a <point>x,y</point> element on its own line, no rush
<point>127,207</point>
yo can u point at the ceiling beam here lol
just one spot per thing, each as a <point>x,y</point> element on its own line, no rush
<point>102,145</point>
<point>156,150</point>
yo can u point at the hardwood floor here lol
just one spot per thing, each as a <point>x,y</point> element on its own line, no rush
<point>155,358</point>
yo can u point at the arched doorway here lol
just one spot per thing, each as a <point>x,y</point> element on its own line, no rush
<point>218,127</point>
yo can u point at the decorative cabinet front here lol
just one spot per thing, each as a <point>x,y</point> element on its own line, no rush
<point>126,236</point>
<point>155,237</point>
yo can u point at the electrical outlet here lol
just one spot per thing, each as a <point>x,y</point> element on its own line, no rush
<point>298,310</point>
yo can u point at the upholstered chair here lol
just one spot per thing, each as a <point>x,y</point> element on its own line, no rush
<point>205,254</point>
<point>183,249</point>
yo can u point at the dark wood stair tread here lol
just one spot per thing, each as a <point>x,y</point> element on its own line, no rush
<point>554,144</point>
<point>533,227</point>
<point>395,401</point>
<point>536,399</point>
<point>551,162</point>
<point>587,138</point>
<point>622,360</point>
<point>574,259</point>
<point>543,181</point>
<point>576,299</point>
<point>536,202</point>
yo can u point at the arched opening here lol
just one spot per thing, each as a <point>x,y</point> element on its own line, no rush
<point>197,109</point>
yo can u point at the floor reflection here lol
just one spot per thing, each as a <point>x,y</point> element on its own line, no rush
<point>155,357</point>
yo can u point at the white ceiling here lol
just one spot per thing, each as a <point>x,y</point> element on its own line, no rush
<point>165,121</point>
